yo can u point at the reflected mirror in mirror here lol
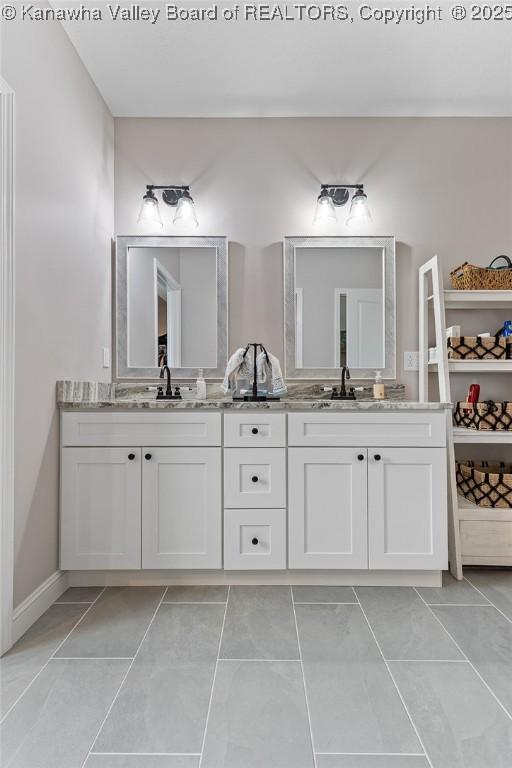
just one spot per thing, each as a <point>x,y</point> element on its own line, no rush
<point>339,300</point>
<point>172,307</point>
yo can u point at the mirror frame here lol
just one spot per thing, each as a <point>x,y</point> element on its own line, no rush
<point>120,315</point>
<point>387,246</point>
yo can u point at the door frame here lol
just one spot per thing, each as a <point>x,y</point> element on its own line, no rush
<point>7,116</point>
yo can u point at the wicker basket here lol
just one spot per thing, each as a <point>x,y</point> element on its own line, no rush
<point>477,347</point>
<point>468,277</point>
<point>483,416</point>
<point>488,485</point>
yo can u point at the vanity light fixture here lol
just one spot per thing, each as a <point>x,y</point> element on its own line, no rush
<point>335,195</point>
<point>177,196</point>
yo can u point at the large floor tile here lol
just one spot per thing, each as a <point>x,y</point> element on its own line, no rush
<point>496,586</point>
<point>460,723</point>
<point>452,592</point>
<point>353,702</point>
<point>163,704</point>
<point>404,626</point>
<point>485,636</point>
<point>25,659</point>
<point>259,624</point>
<point>115,625</point>
<point>193,594</point>
<point>145,761</point>
<point>79,595</point>
<point>258,717</point>
<point>54,724</point>
<point>371,761</point>
<point>315,594</point>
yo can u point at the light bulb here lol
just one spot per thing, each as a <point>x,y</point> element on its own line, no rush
<point>325,212</point>
<point>359,211</point>
<point>150,211</point>
<point>186,211</point>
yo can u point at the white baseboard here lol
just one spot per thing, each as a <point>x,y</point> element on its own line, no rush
<point>27,612</point>
<point>334,578</point>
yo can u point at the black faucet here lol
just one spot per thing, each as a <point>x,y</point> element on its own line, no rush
<point>345,375</point>
<point>168,390</point>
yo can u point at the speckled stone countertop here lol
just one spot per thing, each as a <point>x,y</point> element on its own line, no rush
<point>90,395</point>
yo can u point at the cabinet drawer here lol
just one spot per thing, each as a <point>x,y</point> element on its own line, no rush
<point>254,477</point>
<point>255,430</point>
<point>486,538</point>
<point>121,428</point>
<point>254,539</point>
<point>400,429</point>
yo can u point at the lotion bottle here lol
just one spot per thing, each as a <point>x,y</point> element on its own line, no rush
<point>200,386</point>
<point>378,387</point>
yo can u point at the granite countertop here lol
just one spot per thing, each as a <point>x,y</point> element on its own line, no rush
<point>89,395</point>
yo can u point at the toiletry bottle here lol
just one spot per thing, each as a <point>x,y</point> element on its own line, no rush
<point>378,387</point>
<point>200,386</point>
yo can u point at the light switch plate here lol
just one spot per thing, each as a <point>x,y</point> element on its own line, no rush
<point>411,361</point>
<point>106,357</point>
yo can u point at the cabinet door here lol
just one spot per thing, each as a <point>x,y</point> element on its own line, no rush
<point>100,508</point>
<point>327,508</point>
<point>407,508</point>
<point>181,508</point>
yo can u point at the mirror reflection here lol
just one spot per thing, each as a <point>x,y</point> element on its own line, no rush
<point>339,307</point>
<point>172,307</point>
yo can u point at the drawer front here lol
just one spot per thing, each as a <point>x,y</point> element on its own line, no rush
<point>254,539</point>
<point>122,428</point>
<point>255,477</point>
<point>486,538</point>
<point>255,430</point>
<point>397,429</point>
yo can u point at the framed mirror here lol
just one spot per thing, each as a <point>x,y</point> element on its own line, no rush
<point>171,306</point>
<point>339,307</point>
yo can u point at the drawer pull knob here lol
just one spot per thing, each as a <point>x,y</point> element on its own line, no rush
<point>377,457</point>
<point>147,456</point>
<point>255,430</point>
<point>255,478</point>
<point>255,541</point>
<point>131,456</point>
<point>360,457</point>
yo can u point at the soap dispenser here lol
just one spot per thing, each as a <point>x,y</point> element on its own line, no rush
<point>200,386</point>
<point>378,387</point>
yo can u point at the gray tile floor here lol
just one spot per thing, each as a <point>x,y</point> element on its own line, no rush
<point>265,677</point>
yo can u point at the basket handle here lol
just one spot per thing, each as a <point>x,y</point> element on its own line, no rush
<point>458,270</point>
<point>507,259</point>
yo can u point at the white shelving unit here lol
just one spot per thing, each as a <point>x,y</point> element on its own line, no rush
<point>473,530</point>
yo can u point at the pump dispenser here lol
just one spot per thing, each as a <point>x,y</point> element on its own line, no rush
<point>378,387</point>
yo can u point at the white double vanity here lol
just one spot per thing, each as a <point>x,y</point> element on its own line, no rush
<point>306,489</point>
<point>288,487</point>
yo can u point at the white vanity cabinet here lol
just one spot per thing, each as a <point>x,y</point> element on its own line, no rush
<point>141,489</point>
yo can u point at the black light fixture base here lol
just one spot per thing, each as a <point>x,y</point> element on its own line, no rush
<point>171,196</point>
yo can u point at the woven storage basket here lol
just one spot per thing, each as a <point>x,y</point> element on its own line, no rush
<point>483,416</point>
<point>488,485</point>
<point>477,347</point>
<point>468,277</point>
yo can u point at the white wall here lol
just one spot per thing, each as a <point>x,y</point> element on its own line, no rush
<point>64,224</point>
<point>440,185</point>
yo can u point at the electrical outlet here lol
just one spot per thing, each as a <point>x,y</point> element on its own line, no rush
<point>106,357</point>
<point>411,361</point>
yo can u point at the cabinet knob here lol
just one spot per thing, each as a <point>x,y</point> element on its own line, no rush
<point>377,457</point>
<point>131,456</point>
<point>255,430</point>
<point>255,541</point>
<point>255,478</point>
<point>147,456</point>
<point>360,457</point>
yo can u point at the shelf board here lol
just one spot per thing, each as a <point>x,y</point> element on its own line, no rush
<point>469,511</point>
<point>464,435</point>
<point>473,366</point>
<point>477,299</point>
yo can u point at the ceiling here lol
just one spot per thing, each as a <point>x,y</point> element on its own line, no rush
<point>296,68</point>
